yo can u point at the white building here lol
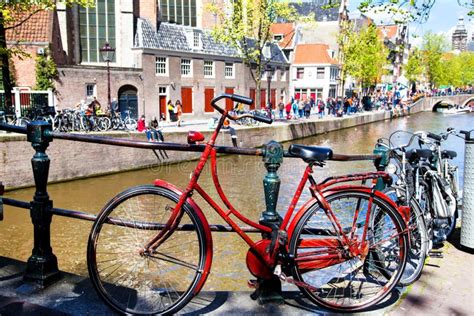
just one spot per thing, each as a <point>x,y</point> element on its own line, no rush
<point>314,72</point>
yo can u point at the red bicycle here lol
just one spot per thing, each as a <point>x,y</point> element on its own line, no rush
<point>150,248</point>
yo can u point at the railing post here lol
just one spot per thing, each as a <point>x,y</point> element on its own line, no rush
<point>16,93</point>
<point>467,218</point>
<point>269,290</point>
<point>42,266</point>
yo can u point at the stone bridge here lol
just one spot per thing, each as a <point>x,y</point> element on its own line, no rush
<point>431,103</point>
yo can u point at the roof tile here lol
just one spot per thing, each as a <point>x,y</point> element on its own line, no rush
<point>35,29</point>
<point>313,54</point>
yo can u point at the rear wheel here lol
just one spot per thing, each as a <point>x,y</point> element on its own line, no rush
<point>130,124</point>
<point>333,278</point>
<point>419,241</point>
<point>163,281</point>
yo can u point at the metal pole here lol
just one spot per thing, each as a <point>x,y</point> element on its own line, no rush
<point>467,218</point>
<point>108,83</point>
<point>42,266</point>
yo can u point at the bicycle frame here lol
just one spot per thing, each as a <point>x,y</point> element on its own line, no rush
<point>318,191</point>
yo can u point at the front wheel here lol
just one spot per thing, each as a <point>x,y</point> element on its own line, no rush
<point>130,124</point>
<point>164,280</point>
<point>332,277</point>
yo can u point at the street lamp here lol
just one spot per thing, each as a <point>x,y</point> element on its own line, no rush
<point>270,71</point>
<point>108,53</point>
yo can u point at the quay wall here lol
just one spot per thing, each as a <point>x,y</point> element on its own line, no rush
<point>72,160</point>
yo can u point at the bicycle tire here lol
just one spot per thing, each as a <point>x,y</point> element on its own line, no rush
<point>103,123</point>
<point>419,241</point>
<point>141,284</point>
<point>341,279</point>
<point>130,124</point>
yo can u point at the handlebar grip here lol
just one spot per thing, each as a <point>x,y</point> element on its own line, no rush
<point>263,119</point>
<point>241,99</point>
<point>434,136</point>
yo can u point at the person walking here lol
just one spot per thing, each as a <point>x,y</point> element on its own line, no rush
<point>170,108</point>
<point>281,108</point>
<point>178,109</point>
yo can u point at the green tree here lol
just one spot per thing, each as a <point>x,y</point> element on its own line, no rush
<point>414,67</point>
<point>457,70</point>
<point>365,55</point>
<point>245,25</point>
<point>46,71</point>
<point>433,47</point>
<point>13,14</point>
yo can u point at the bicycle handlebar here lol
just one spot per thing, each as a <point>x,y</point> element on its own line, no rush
<point>434,136</point>
<point>240,99</point>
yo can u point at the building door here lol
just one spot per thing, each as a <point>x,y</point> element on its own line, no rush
<point>162,102</point>
<point>229,104</point>
<point>208,96</point>
<point>273,98</point>
<point>252,96</point>
<point>128,101</point>
<point>187,99</point>
<point>263,98</point>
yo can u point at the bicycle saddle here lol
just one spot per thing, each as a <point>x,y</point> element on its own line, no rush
<point>413,154</point>
<point>310,153</point>
<point>450,154</point>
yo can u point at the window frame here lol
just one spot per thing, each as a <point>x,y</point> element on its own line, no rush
<point>94,89</point>
<point>318,73</point>
<point>190,74</point>
<point>213,69</point>
<point>157,62</point>
<point>298,74</point>
<point>232,67</point>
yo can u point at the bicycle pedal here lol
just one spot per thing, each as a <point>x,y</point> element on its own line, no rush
<point>253,284</point>
<point>435,254</point>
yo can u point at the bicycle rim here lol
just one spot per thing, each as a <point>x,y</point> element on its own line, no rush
<point>357,283</point>
<point>419,241</point>
<point>162,282</point>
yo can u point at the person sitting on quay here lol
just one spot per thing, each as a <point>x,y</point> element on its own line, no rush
<point>142,128</point>
<point>288,109</point>
<point>156,133</point>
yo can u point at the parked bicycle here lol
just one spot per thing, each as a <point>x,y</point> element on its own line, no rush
<point>150,248</point>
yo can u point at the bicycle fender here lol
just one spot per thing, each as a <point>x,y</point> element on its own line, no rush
<point>207,231</point>
<point>404,211</point>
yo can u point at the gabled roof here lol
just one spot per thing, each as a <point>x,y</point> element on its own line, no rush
<point>174,37</point>
<point>387,31</point>
<point>287,30</point>
<point>37,28</point>
<point>313,54</point>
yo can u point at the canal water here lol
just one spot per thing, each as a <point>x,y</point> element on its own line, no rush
<point>241,178</point>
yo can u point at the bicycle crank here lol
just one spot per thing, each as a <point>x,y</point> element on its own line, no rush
<point>290,280</point>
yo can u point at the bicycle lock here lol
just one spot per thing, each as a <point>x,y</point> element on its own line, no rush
<point>467,218</point>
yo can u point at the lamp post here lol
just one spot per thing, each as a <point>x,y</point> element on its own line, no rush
<point>108,53</point>
<point>270,71</point>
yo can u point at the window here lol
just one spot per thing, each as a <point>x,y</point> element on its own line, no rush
<point>186,67</point>
<point>96,26</point>
<point>332,91</point>
<point>161,66</point>
<point>320,73</point>
<point>299,73</point>
<point>278,37</point>
<point>162,90</point>
<point>196,39</point>
<point>229,70</point>
<point>90,90</point>
<point>178,11</point>
<point>208,69</point>
<point>334,73</point>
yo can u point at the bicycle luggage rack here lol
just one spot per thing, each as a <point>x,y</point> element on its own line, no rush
<point>42,267</point>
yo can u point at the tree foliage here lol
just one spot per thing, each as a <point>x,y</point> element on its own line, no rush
<point>245,25</point>
<point>414,67</point>
<point>406,10</point>
<point>364,55</point>
<point>433,47</point>
<point>458,70</point>
<point>46,71</point>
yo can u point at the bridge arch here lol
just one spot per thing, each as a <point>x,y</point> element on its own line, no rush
<point>469,100</point>
<point>442,103</point>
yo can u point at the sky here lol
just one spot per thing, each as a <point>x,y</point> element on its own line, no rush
<point>443,18</point>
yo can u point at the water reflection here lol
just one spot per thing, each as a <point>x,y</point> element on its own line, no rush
<point>241,178</point>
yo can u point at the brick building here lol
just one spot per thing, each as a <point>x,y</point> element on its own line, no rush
<point>163,51</point>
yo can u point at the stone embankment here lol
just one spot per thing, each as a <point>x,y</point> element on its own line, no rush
<point>72,160</point>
